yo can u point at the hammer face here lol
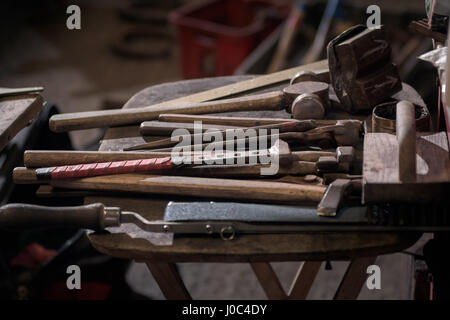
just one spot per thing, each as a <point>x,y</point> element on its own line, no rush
<point>361,70</point>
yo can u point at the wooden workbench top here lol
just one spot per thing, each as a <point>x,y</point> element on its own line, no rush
<point>16,112</point>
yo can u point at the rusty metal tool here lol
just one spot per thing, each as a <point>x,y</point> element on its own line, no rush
<point>361,70</point>
<point>335,194</point>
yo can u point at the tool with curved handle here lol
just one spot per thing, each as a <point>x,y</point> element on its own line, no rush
<point>19,216</point>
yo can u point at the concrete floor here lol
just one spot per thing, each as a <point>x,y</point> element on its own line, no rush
<point>79,72</point>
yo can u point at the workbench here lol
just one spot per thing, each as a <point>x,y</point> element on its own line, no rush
<point>161,253</point>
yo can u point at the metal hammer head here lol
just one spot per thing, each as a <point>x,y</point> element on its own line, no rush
<point>342,162</point>
<point>319,89</point>
<point>361,70</point>
<point>308,106</point>
<point>348,134</point>
<point>334,195</point>
<point>345,132</point>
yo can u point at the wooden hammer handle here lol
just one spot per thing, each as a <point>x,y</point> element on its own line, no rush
<point>234,121</point>
<point>50,158</point>
<point>289,126</point>
<point>406,138</point>
<point>261,191</point>
<point>299,138</point>
<point>157,128</point>
<point>98,119</point>
<point>29,176</point>
<point>104,168</point>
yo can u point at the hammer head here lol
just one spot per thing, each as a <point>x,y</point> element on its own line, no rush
<point>304,76</point>
<point>308,106</point>
<point>342,162</point>
<point>361,70</point>
<point>335,194</point>
<point>311,87</point>
<point>348,134</point>
<point>280,149</point>
<point>345,132</point>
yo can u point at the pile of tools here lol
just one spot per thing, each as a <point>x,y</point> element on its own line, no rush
<point>318,150</point>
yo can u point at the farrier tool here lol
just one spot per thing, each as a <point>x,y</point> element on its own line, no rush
<point>288,126</point>
<point>248,163</point>
<point>361,70</point>
<point>275,100</point>
<point>146,165</point>
<point>342,133</point>
<point>291,163</point>
<point>234,121</point>
<point>230,219</point>
<point>97,119</point>
<point>48,158</point>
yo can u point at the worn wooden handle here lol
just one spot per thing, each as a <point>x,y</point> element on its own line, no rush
<point>406,138</point>
<point>99,119</point>
<point>234,121</point>
<point>321,139</point>
<point>248,171</point>
<point>29,176</point>
<point>289,126</point>
<point>261,191</point>
<point>19,216</point>
<point>104,168</point>
<point>51,158</point>
<point>157,128</point>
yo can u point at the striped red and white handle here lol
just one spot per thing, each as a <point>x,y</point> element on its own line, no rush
<point>104,168</point>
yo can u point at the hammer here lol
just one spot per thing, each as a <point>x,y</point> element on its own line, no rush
<point>305,100</point>
<point>231,121</point>
<point>47,158</point>
<point>289,126</point>
<point>343,133</point>
<point>290,163</point>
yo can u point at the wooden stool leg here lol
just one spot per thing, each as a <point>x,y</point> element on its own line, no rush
<point>268,280</point>
<point>353,279</point>
<point>304,279</point>
<point>169,281</point>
